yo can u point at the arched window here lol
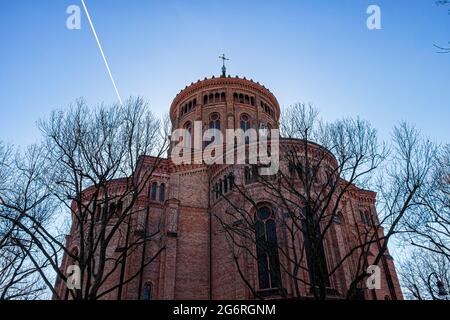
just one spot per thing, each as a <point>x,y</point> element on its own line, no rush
<point>365,218</point>
<point>112,209</point>
<point>147,294</point>
<point>75,255</point>
<point>241,98</point>
<point>119,209</point>
<point>153,191</point>
<point>162,192</point>
<point>205,99</point>
<point>214,123</point>
<point>216,190</point>
<point>222,97</point>
<point>211,98</point>
<point>188,126</point>
<point>247,99</point>
<point>187,138</point>
<point>338,218</point>
<point>245,122</point>
<point>235,96</point>
<point>231,177</point>
<point>251,174</point>
<point>315,251</point>
<point>225,184</point>
<point>252,101</point>
<point>269,274</point>
<point>255,173</point>
<point>248,175</point>
<point>217,97</point>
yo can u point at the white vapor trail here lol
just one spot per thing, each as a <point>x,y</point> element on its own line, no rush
<point>101,51</point>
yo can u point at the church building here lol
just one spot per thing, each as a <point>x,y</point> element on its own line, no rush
<point>186,201</point>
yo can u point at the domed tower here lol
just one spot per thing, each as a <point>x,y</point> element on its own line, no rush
<point>220,103</point>
<point>225,103</point>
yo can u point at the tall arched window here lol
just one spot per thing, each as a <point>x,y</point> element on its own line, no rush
<point>269,274</point>
<point>214,123</point>
<point>315,251</point>
<point>147,294</point>
<point>162,192</point>
<point>245,122</point>
<point>153,191</point>
<point>187,138</point>
<point>366,218</point>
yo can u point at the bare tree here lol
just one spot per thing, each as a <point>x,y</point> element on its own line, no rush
<point>428,228</point>
<point>95,155</point>
<point>22,194</point>
<point>425,275</point>
<point>440,48</point>
<point>400,183</point>
<point>321,165</point>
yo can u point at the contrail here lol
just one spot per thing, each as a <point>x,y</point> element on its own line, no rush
<point>101,51</point>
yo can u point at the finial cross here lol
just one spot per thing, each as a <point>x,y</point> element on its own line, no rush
<point>224,69</point>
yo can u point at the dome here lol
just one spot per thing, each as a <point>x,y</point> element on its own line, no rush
<point>228,96</point>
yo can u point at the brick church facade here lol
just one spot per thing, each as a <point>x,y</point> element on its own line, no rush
<point>182,201</point>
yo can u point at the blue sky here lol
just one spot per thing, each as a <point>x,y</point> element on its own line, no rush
<point>303,50</point>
